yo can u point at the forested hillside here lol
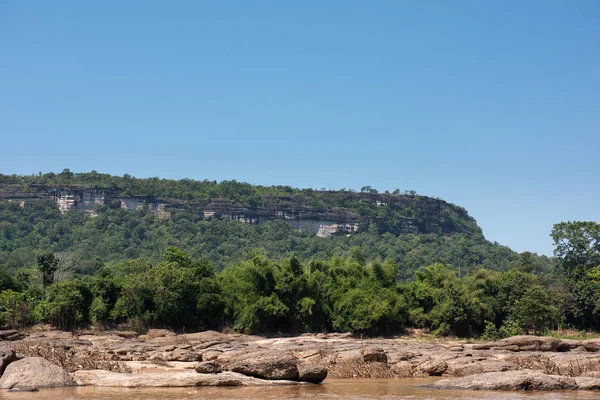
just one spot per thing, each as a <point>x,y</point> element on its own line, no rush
<point>442,232</point>
<point>135,268</point>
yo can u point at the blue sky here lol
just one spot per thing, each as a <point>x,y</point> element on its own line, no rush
<point>492,105</point>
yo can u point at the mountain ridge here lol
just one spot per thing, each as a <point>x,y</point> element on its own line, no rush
<point>350,210</point>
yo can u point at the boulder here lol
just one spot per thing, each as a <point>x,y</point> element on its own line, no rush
<point>579,349</point>
<point>7,356</point>
<point>374,354</point>
<point>434,367</point>
<point>184,355</point>
<point>34,373</point>
<point>103,378</point>
<point>313,373</point>
<point>10,334</point>
<point>528,343</point>
<point>209,367</point>
<point>591,345</point>
<point>266,365</point>
<point>211,354</point>
<point>568,344</point>
<point>587,383</point>
<point>403,369</point>
<point>515,380</point>
<point>395,357</point>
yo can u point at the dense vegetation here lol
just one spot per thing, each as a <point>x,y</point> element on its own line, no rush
<point>341,294</point>
<point>132,269</point>
<point>386,212</point>
<point>84,244</point>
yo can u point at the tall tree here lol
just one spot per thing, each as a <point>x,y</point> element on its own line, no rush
<point>578,249</point>
<point>47,264</point>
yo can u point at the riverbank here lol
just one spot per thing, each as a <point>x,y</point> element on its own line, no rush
<point>162,358</point>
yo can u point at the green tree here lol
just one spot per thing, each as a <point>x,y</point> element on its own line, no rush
<point>8,282</point>
<point>16,309</point>
<point>535,311</point>
<point>577,245</point>
<point>66,305</point>
<point>106,288</point>
<point>47,264</point>
<point>440,301</point>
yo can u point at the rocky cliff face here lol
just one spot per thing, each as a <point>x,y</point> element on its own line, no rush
<point>397,214</point>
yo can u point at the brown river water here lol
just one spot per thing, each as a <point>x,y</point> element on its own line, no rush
<point>388,389</point>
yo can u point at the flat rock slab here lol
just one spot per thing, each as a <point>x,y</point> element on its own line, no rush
<point>517,380</point>
<point>176,379</point>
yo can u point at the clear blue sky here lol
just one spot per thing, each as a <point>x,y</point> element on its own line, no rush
<point>492,105</point>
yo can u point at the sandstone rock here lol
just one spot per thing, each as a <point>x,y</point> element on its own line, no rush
<point>344,335</point>
<point>398,356</point>
<point>266,365</point>
<point>52,335</point>
<point>209,367</point>
<point>343,355</point>
<point>313,373</point>
<point>311,354</point>
<point>184,355</point>
<point>7,356</point>
<point>513,380</point>
<point>591,345</point>
<point>213,336</point>
<point>587,383</point>
<point>159,333</point>
<point>177,355</point>
<point>462,367</point>
<point>374,354</point>
<point>579,349</point>
<point>11,335</point>
<point>568,344</point>
<point>127,334</point>
<point>206,345</point>
<point>209,355</point>
<point>434,367</point>
<point>530,343</point>
<point>34,373</point>
<point>403,369</point>
<point>103,378</point>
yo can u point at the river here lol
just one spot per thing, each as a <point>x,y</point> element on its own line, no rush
<point>388,389</point>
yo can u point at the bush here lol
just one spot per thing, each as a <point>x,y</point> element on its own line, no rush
<point>490,331</point>
<point>66,305</point>
<point>16,309</point>
<point>510,328</point>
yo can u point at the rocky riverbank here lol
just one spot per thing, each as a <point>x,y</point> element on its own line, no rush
<point>163,359</point>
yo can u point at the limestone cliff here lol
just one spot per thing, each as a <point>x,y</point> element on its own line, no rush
<point>322,212</point>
